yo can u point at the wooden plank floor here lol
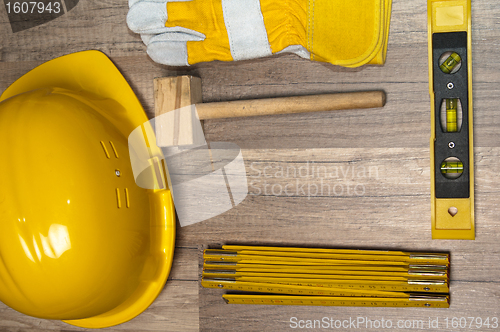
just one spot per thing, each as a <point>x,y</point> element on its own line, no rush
<point>391,207</point>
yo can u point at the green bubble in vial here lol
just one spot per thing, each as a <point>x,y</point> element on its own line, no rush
<point>452,167</point>
<point>451,115</point>
<point>451,63</point>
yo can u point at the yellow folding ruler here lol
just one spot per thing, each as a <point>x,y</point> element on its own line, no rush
<point>321,286</point>
<point>450,85</point>
<point>335,256</point>
<point>296,272</point>
<point>346,277</point>
<point>436,301</point>
<point>366,270</point>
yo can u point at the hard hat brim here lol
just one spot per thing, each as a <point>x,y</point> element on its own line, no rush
<point>92,72</point>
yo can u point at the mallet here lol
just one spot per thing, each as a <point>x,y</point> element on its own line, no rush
<point>183,94</point>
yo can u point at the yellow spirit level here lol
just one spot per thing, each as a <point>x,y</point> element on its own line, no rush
<point>450,85</point>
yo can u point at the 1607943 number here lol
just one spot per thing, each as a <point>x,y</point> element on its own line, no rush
<point>33,7</point>
<point>471,323</point>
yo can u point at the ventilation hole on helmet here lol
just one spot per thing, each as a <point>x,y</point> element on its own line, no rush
<point>127,199</point>
<point>114,149</point>
<point>105,150</point>
<point>118,200</point>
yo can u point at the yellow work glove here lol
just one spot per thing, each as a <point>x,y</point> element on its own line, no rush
<point>349,33</point>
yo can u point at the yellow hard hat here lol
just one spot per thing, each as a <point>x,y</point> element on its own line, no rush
<point>79,240</point>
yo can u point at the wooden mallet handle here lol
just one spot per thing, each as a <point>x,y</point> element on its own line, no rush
<point>288,105</point>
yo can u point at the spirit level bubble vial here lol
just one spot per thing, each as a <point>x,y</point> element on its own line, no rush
<point>450,85</point>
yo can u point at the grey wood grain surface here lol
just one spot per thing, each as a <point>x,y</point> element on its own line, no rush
<point>390,210</point>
